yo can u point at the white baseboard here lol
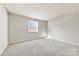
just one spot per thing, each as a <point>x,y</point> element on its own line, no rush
<point>73,43</point>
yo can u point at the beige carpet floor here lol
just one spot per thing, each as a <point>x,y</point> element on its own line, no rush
<point>42,47</point>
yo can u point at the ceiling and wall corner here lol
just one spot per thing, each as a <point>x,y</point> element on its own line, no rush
<point>42,11</point>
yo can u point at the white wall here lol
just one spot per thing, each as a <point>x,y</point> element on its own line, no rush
<point>65,28</point>
<point>18,29</point>
<point>3,29</point>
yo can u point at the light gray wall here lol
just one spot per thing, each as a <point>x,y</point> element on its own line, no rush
<point>18,29</point>
<point>65,28</point>
<point>3,28</point>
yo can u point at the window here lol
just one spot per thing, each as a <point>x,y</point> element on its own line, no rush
<point>32,26</point>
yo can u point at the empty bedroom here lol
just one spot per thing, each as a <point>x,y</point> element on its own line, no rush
<point>39,29</point>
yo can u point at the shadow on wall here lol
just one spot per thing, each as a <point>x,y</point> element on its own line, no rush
<point>18,29</point>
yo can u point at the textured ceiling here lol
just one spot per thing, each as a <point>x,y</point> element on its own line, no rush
<point>42,11</point>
